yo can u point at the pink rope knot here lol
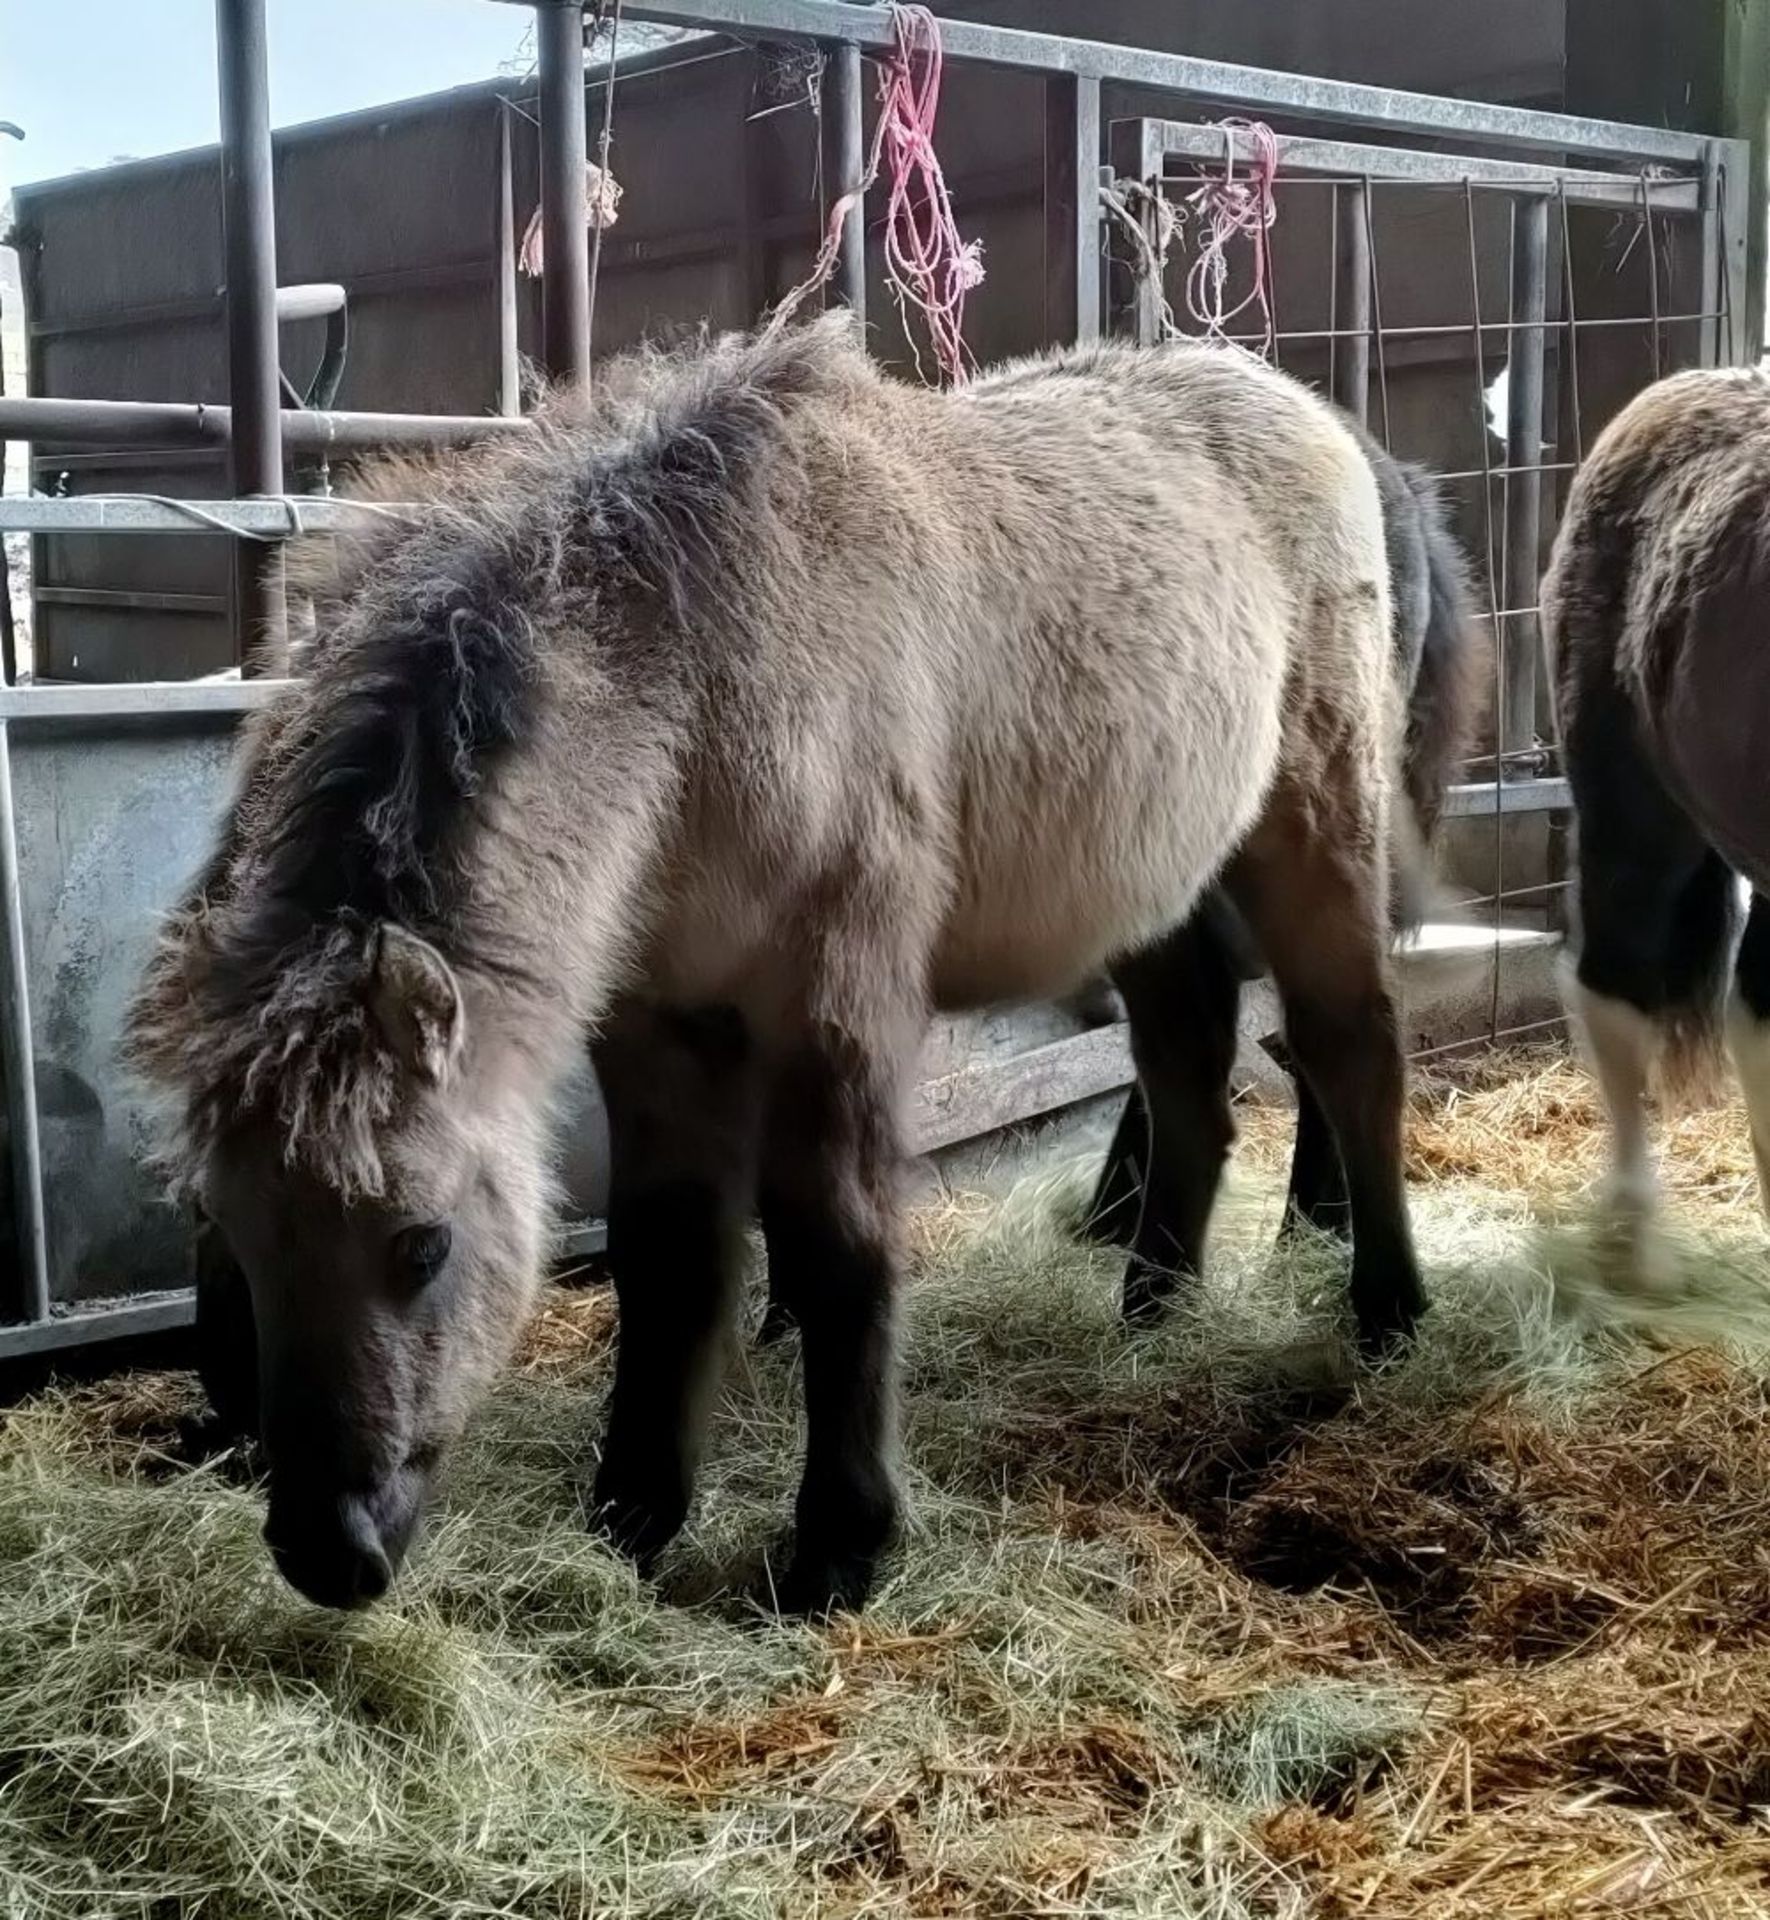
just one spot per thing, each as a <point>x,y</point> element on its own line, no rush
<point>602,201</point>
<point>1229,207</point>
<point>927,264</point>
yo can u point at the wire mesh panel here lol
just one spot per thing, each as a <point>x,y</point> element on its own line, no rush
<point>1484,318</point>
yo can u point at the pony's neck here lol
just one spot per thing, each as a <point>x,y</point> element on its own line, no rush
<point>572,870</point>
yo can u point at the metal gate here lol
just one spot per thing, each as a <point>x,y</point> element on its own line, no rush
<point>1562,285</point>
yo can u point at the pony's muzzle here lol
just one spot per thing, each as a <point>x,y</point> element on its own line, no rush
<point>337,1551</point>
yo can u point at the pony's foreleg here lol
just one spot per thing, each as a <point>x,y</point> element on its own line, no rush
<point>684,1111</point>
<point>832,1168</point>
<point>1748,1034</point>
<point>1318,907</point>
<point>1181,995</point>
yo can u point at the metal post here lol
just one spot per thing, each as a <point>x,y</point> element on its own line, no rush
<point>565,215</point>
<point>1352,303</point>
<point>848,111</point>
<point>25,1145</point>
<point>255,449</point>
<point>1524,483</point>
<point>1740,332</point>
<point>1072,208</point>
<point>1137,154</point>
<point>509,365</point>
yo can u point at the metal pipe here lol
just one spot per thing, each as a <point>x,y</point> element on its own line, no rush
<point>248,212</point>
<point>26,1146</point>
<point>1352,303</point>
<point>565,215</point>
<point>154,423</point>
<point>848,113</point>
<point>1524,456</point>
<point>509,364</point>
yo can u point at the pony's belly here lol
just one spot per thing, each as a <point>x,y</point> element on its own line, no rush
<point>1102,872</point>
<point>1030,946</point>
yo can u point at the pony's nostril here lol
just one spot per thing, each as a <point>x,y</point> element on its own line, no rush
<point>374,1575</point>
<point>373,1570</point>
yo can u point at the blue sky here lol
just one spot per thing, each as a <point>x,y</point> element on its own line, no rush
<point>90,80</point>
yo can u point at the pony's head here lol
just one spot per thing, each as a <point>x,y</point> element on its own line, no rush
<point>329,1012</point>
<point>378,1181</point>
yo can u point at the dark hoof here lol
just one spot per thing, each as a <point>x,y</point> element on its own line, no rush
<point>639,1524</point>
<point>1386,1330</point>
<point>1334,1221</point>
<point>818,1585</point>
<point>1148,1293</point>
<point>777,1323</point>
<point>1110,1226</point>
<point>203,1437</point>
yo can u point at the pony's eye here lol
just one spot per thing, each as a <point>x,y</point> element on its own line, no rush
<point>419,1252</point>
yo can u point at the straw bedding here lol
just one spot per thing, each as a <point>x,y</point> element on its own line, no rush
<point>1206,1623</point>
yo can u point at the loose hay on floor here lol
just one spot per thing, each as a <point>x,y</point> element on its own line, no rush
<point>1200,1624</point>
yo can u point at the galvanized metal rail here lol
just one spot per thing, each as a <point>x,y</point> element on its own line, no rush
<point>1299,96</point>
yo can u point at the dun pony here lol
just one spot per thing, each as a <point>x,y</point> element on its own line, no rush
<point>1654,608</point>
<point>740,718</point>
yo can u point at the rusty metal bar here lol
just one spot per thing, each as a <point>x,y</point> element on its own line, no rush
<point>248,212</point>
<point>565,222</point>
<point>1524,454</point>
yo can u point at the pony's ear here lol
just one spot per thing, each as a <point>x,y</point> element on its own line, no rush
<point>416,998</point>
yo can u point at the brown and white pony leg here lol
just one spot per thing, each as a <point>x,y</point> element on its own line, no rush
<point>1621,1043</point>
<point>1311,883</point>
<point>831,1180</point>
<point>1748,1033</point>
<point>683,1093</point>
<point>1657,914</point>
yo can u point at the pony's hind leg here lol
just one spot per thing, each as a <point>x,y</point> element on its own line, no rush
<point>1317,905</point>
<point>683,1097</point>
<point>1118,1194</point>
<point>1317,1193</point>
<point>1748,1033</point>
<point>1655,928</point>
<point>1181,995</point>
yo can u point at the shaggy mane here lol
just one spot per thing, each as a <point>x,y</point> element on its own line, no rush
<point>358,798</point>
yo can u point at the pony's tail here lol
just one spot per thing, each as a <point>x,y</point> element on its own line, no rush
<point>1691,1070</point>
<point>1442,705</point>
